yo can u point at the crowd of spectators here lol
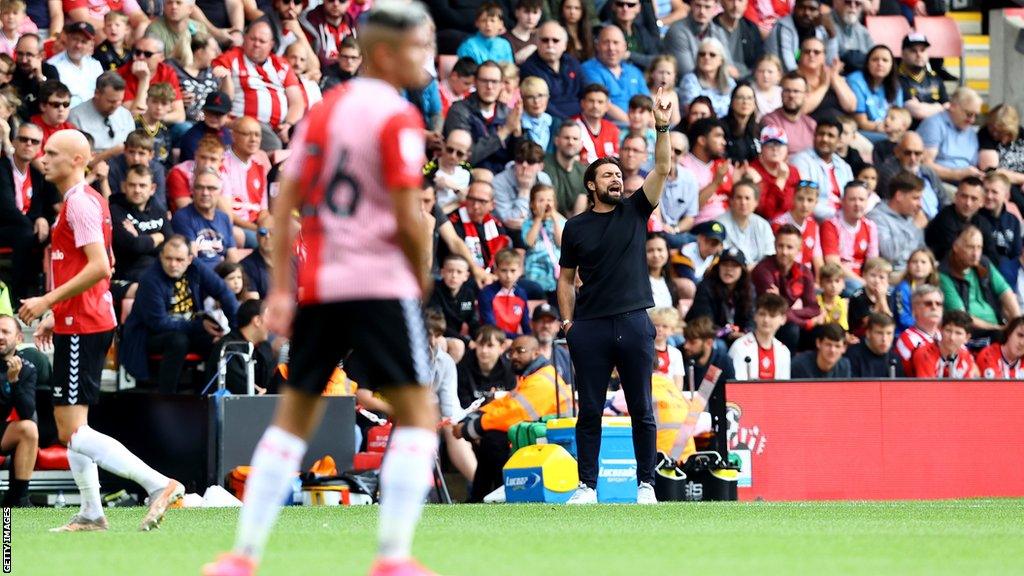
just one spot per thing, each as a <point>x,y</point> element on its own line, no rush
<point>832,211</point>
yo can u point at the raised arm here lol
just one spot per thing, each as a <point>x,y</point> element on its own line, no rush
<point>654,185</point>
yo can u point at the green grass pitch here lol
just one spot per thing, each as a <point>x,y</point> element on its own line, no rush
<point>966,538</point>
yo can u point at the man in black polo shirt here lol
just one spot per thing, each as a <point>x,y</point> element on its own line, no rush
<point>606,246</point>
<point>924,93</point>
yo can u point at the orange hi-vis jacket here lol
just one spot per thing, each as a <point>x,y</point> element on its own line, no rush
<point>339,384</point>
<point>532,398</point>
<point>670,410</point>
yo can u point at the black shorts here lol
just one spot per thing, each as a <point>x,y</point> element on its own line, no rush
<point>78,361</point>
<point>383,343</point>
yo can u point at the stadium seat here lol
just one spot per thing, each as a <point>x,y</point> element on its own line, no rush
<point>445,63</point>
<point>50,458</point>
<point>944,36</point>
<point>890,31</point>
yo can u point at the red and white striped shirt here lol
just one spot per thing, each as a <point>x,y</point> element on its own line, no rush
<point>259,88</point>
<point>853,244</point>
<point>911,339</point>
<point>246,184</point>
<point>84,219</point>
<point>929,363</point>
<point>603,144</point>
<point>993,365</point>
<point>345,178</point>
<point>811,244</point>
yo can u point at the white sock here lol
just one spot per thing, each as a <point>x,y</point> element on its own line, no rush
<point>406,477</point>
<point>87,478</point>
<point>274,465</point>
<point>113,457</point>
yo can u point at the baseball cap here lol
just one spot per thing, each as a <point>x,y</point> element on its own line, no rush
<point>218,103</point>
<point>711,229</point>
<point>732,255</point>
<point>774,134</point>
<point>81,28</point>
<point>915,38</point>
<point>545,309</point>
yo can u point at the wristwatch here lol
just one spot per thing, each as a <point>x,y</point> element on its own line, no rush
<point>565,324</point>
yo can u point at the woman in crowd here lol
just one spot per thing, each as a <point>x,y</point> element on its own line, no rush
<point>726,295</point>
<point>196,78</point>
<point>744,230</point>
<point>663,284</point>
<point>575,16</point>
<point>778,177</point>
<point>710,78</point>
<point>1002,143</point>
<point>828,94</point>
<point>700,107</point>
<point>877,87</point>
<point>662,72</point>
<point>767,89</point>
<point>741,126</point>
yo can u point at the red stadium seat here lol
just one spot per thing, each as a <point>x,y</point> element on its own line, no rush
<point>50,458</point>
<point>890,31</point>
<point>944,36</point>
<point>190,357</point>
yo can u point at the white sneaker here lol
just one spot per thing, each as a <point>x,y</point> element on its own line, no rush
<point>583,495</point>
<point>645,494</point>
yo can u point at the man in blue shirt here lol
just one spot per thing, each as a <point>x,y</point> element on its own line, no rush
<point>207,229</point>
<point>561,71</point>
<point>950,141</point>
<point>608,68</point>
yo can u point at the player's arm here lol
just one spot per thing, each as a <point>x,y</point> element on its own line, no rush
<point>97,267</point>
<point>654,185</point>
<point>414,236</point>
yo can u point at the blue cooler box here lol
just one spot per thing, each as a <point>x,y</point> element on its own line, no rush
<point>562,431</point>
<point>540,473</point>
<point>616,478</point>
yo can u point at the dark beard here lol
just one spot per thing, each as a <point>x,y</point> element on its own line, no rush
<point>608,198</point>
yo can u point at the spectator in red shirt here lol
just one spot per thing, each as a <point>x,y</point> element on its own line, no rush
<point>244,196</point>
<point>848,238</point>
<point>54,107</point>
<point>781,274</point>
<point>778,177</point>
<point>600,136</point>
<point>146,69</point>
<point>209,154</point>
<point>947,358</point>
<point>1004,360</point>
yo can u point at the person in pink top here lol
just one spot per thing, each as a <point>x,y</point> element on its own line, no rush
<point>848,238</point>
<point>791,118</point>
<point>245,197</point>
<point>367,267</point>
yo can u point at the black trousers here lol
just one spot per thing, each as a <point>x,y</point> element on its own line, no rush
<point>624,342</point>
<point>26,261</point>
<point>173,347</point>
<point>492,453</point>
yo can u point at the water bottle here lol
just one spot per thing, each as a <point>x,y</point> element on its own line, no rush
<point>60,502</point>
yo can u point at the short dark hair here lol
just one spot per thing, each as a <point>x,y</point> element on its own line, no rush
<point>829,123</point>
<point>529,151</point>
<point>490,333</point>
<point>53,88</point>
<point>879,320</point>
<point>1010,327</point>
<point>490,64</point>
<point>972,181</point>
<point>453,257</point>
<point>464,66</point>
<point>700,328</point>
<point>529,5</point>
<point>833,332</point>
<point>702,127</point>
<point>490,9</point>
<point>139,139</point>
<point>904,181</point>
<point>591,174</point>
<point>789,229</point>
<point>958,318</point>
<point>595,87</point>
<point>247,311</point>
<point>773,304</point>
<point>110,79</point>
<point>642,102</point>
<point>140,170</point>
<point>794,75</point>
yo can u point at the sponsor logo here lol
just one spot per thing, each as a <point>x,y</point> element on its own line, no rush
<point>57,255</point>
<point>523,482</point>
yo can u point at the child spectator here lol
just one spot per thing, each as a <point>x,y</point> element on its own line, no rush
<point>138,151</point>
<point>868,174</point>
<point>159,102</point>
<point>897,122</point>
<point>445,383</point>
<point>641,123</point>
<point>13,24</point>
<point>661,73</point>
<point>827,362</point>
<point>922,268</point>
<point>458,84</point>
<point>509,85</point>
<point>848,238</point>
<point>834,308</point>
<point>114,51</point>
<point>523,36</point>
<point>449,172</point>
<point>874,357</point>
<point>238,283</point>
<point>948,358</point>
<point>758,355</point>
<point>536,122</point>
<point>600,136</point>
<point>801,216</point>
<point>485,369</point>
<point>542,234</point>
<point>1003,359</point>
<point>297,55</point>
<point>767,85</point>
<point>209,154</point>
<point>578,18</point>
<point>670,360</point>
<point>845,148</point>
<point>663,284</point>
<point>876,296</point>
<point>504,303</point>
<point>487,43</point>
<point>456,298</point>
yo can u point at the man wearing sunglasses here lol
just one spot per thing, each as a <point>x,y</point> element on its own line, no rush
<point>54,108</point>
<point>146,69</point>
<point>561,71</point>
<point>30,72</point>
<point>641,45</point>
<point>807,20</point>
<point>908,155</point>
<point>104,118</point>
<point>684,37</point>
<point>950,140</point>
<point>27,204</point>
<point>77,68</point>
